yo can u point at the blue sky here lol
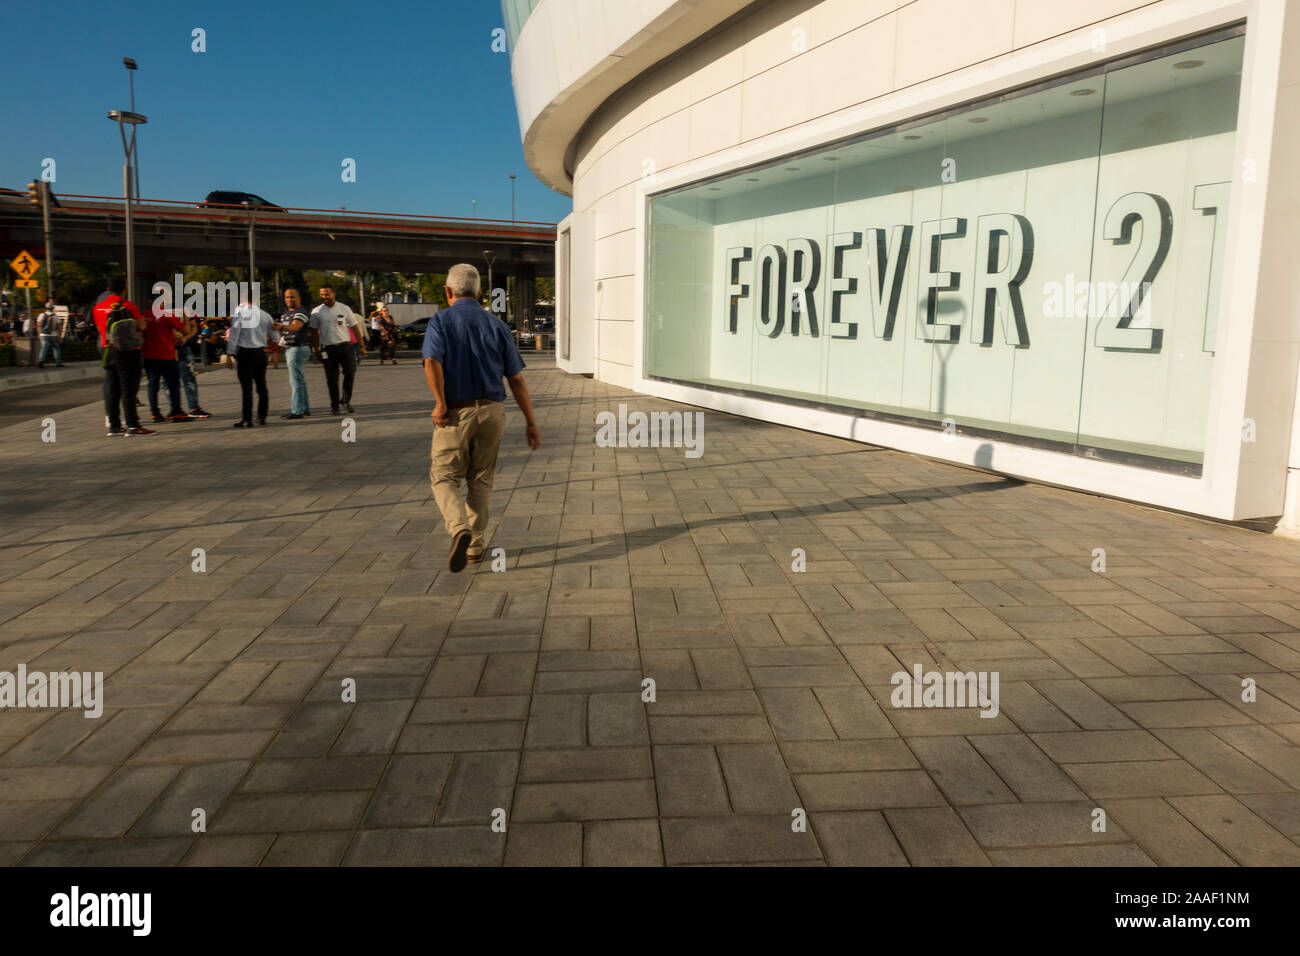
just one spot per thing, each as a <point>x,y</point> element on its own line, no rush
<point>286,90</point>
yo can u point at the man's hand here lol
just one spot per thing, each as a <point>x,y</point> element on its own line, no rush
<point>533,435</point>
<point>443,416</point>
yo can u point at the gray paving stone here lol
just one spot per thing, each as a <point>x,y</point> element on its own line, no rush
<point>427,846</point>
<point>869,790</point>
<point>410,791</point>
<point>1037,824</point>
<point>325,848</point>
<point>544,844</point>
<point>622,843</point>
<point>480,784</point>
<point>736,839</point>
<point>689,782</point>
<point>242,850</point>
<point>593,800</point>
<point>1242,834</point>
<point>1164,834</point>
<point>935,837</point>
<point>857,839</point>
<point>276,812</point>
<point>615,720</point>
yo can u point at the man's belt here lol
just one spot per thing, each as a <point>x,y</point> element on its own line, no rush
<point>472,403</point>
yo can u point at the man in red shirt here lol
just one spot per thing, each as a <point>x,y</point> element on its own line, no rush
<point>122,378</point>
<point>160,361</point>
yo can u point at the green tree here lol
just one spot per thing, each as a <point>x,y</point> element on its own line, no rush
<point>544,289</point>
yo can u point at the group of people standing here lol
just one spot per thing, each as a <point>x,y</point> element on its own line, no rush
<point>331,334</point>
<point>161,345</point>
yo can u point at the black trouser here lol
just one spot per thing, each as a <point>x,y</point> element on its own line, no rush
<point>164,372</point>
<point>336,357</point>
<point>123,380</point>
<point>250,364</point>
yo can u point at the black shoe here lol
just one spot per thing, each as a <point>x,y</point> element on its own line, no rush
<point>334,409</point>
<point>293,417</point>
<point>116,432</point>
<point>159,418</point>
<point>242,424</point>
<point>40,365</point>
<point>261,422</point>
<point>199,413</point>
<point>459,549</point>
<point>348,406</point>
<point>306,414</point>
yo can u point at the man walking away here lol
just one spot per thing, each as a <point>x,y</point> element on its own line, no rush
<point>467,352</point>
<point>250,329</point>
<point>294,328</point>
<point>160,361</point>
<point>121,333</point>
<point>330,325</point>
<point>186,349</point>
<point>47,324</point>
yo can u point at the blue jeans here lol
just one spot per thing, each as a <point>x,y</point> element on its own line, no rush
<point>50,342</point>
<point>185,368</point>
<point>295,357</point>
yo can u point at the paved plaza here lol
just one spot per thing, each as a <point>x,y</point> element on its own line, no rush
<point>521,690</point>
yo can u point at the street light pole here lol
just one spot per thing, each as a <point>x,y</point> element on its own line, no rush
<point>512,197</point>
<point>125,118</point>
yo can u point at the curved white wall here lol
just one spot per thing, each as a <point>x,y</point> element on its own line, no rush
<point>573,54</point>
<point>796,73</point>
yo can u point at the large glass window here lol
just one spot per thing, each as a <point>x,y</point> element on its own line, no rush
<point>1044,265</point>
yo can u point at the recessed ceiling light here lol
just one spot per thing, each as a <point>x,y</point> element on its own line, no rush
<point>831,159</point>
<point>1188,64</point>
<point>1083,92</point>
<point>792,169</point>
<point>978,119</point>
<point>714,189</point>
<point>911,136</point>
<point>751,179</point>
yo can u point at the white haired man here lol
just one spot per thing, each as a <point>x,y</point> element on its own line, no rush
<point>467,354</point>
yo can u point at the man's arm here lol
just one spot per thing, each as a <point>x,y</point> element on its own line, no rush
<point>361,332</point>
<point>433,375</point>
<point>519,388</point>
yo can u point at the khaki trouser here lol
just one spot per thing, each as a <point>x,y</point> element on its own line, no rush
<point>467,449</point>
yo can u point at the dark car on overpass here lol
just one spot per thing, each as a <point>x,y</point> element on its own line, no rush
<point>229,199</point>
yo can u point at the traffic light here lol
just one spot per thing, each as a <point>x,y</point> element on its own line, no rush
<point>34,193</point>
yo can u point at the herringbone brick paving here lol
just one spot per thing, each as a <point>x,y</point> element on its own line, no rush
<point>522,690</point>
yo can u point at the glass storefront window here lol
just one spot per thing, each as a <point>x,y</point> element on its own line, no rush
<point>1044,265</point>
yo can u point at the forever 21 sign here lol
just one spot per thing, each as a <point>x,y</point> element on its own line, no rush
<point>787,277</point>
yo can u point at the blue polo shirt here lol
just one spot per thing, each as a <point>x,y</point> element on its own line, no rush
<point>475,351</point>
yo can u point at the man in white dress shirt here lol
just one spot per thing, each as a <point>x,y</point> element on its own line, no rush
<point>329,329</point>
<point>250,330</point>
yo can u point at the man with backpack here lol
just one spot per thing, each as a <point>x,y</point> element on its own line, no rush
<point>121,335</point>
<point>47,324</point>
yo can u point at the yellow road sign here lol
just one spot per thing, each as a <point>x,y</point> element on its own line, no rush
<point>25,265</point>
<point>27,284</point>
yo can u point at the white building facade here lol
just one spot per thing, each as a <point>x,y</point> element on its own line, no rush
<point>1054,240</point>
